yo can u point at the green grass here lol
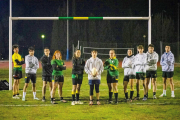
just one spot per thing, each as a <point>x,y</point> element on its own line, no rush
<point>162,108</point>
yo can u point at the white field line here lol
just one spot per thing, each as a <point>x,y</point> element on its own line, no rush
<point>103,89</point>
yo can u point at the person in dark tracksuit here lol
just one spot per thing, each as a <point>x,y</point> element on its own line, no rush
<point>77,76</point>
<point>46,72</point>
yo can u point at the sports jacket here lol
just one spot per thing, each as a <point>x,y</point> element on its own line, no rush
<point>128,65</point>
<point>152,59</point>
<point>167,62</point>
<point>32,64</point>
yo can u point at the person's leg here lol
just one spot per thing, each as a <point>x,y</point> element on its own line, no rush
<point>146,85</point>
<point>154,87</point>
<point>172,87</point>
<point>50,87</point>
<point>60,86</point>
<point>73,92</point>
<point>24,91</point>
<point>125,83</point>
<point>110,87</point>
<point>18,81</point>
<point>115,92</point>
<point>78,91</point>
<point>137,88</point>
<point>97,93</point>
<point>44,89</point>
<point>53,91</point>
<point>14,87</point>
<point>131,81</point>
<point>91,94</point>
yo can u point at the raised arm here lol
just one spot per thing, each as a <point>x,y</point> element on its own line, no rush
<point>171,59</point>
<point>163,62</point>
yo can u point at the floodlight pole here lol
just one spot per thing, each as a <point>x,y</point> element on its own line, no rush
<point>10,45</point>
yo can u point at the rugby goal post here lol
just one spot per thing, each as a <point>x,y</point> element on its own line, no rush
<point>66,18</point>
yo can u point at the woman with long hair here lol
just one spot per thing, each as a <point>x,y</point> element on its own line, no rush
<point>77,76</point>
<point>58,78</point>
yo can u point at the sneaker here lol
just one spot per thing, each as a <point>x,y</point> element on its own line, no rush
<point>98,103</point>
<point>15,97</point>
<point>90,102</point>
<point>36,98</point>
<point>43,100</point>
<point>23,99</point>
<point>172,95</point>
<point>73,103</point>
<point>53,102</point>
<point>154,97</point>
<point>19,95</point>
<point>63,101</point>
<point>137,98</point>
<point>110,101</point>
<point>144,98</point>
<point>162,95</point>
<point>130,100</point>
<point>79,102</point>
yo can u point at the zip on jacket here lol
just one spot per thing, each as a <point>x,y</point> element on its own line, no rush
<point>90,64</point>
<point>128,65</point>
<point>167,62</point>
<point>152,59</point>
<point>32,64</point>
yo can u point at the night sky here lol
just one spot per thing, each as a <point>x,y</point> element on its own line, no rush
<point>32,30</point>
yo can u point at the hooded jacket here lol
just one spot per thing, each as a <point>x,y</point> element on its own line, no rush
<point>167,62</point>
<point>32,64</point>
<point>152,59</point>
<point>140,63</point>
<point>128,65</point>
<point>94,63</point>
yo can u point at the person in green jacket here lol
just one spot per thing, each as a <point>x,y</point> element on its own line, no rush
<point>111,65</point>
<point>58,78</point>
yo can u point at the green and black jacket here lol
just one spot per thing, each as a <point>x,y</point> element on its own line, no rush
<point>57,66</point>
<point>78,65</point>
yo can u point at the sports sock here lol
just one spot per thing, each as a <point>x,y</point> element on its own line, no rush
<point>34,94</point>
<point>147,95</point>
<point>116,97</point>
<point>172,92</point>
<point>77,96</point>
<point>131,94</point>
<point>61,98</point>
<point>138,95</point>
<point>110,96</point>
<point>164,92</point>
<point>126,95</point>
<point>24,94</point>
<point>43,97</point>
<point>154,93</point>
<point>73,97</point>
<point>52,99</point>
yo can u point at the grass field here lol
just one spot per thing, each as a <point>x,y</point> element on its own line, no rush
<point>161,108</point>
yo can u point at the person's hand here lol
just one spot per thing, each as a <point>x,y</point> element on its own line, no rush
<point>64,65</point>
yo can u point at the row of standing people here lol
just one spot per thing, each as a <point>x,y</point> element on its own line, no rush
<point>139,66</point>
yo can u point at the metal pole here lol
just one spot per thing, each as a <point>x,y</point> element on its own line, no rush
<point>10,46</point>
<point>149,33</point>
<point>178,34</point>
<point>67,56</point>
<point>78,44</point>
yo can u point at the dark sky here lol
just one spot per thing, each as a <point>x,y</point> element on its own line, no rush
<point>32,30</point>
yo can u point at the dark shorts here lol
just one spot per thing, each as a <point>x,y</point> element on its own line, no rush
<point>92,82</point>
<point>58,78</point>
<point>47,79</point>
<point>77,79</point>
<point>167,74</point>
<point>112,79</point>
<point>17,74</point>
<point>31,77</point>
<point>151,74</point>
<point>140,76</point>
<point>127,77</point>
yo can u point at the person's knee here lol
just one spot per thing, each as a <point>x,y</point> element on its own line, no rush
<point>91,89</point>
<point>97,88</point>
<point>34,85</point>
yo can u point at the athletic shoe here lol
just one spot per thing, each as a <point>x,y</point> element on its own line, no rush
<point>79,102</point>
<point>63,101</point>
<point>130,100</point>
<point>154,97</point>
<point>43,100</point>
<point>162,95</point>
<point>23,99</point>
<point>144,98</point>
<point>19,95</point>
<point>36,98</point>
<point>110,101</point>
<point>90,102</point>
<point>15,97</point>
<point>53,102</point>
<point>137,98</point>
<point>172,95</point>
<point>98,103</point>
<point>73,103</point>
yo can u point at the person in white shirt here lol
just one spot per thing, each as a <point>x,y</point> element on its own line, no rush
<point>94,80</point>
<point>140,64</point>
<point>151,69</point>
